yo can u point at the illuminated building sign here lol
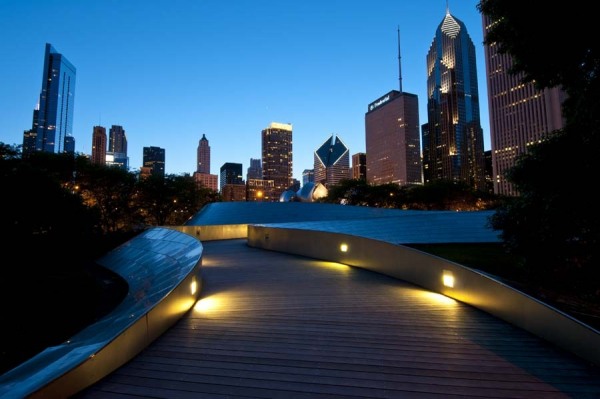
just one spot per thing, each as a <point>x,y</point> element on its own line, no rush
<point>382,100</point>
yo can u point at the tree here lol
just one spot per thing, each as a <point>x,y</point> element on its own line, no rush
<point>555,222</point>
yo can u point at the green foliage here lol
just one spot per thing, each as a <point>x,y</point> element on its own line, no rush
<point>555,221</point>
<point>437,195</point>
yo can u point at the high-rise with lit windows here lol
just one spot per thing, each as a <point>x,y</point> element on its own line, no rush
<point>331,162</point>
<point>203,156</point>
<point>277,156</point>
<point>392,140</point>
<point>57,100</point>
<point>99,145</point>
<point>154,161</point>
<point>393,145</point>
<point>452,137</point>
<point>520,115</point>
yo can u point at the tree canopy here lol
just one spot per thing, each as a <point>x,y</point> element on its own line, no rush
<point>555,221</point>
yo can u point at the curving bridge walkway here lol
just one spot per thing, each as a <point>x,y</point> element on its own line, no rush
<point>273,325</point>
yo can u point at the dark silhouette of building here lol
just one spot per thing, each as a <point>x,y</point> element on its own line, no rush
<point>308,176</point>
<point>359,166</point>
<point>57,100</point>
<point>254,170</point>
<point>99,145</point>
<point>520,115</point>
<point>231,173</point>
<point>331,162</point>
<point>452,137</point>
<point>154,161</point>
<point>69,145</point>
<point>29,136</point>
<point>277,156</point>
<point>117,148</point>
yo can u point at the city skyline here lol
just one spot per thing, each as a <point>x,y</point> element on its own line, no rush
<point>215,71</point>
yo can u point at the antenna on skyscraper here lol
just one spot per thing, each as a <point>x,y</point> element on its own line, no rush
<point>399,61</point>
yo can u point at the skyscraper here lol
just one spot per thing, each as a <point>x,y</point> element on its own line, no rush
<point>452,137</point>
<point>277,156</point>
<point>231,182</point>
<point>254,170</point>
<point>99,145</point>
<point>29,136</point>
<point>359,166</point>
<point>392,137</point>
<point>117,147</point>
<point>57,100</point>
<point>332,162</point>
<point>520,115</point>
<point>231,173</point>
<point>203,156</point>
<point>154,161</point>
<point>117,140</point>
<point>392,140</point>
<point>69,144</point>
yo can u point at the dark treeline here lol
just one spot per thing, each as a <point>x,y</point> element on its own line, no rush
<point>438,195</point>
<point>62,207</point>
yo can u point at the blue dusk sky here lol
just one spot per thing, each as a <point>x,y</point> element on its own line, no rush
<point>169,71</point>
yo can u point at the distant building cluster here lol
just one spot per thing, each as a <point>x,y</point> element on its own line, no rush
<point>399,148</point>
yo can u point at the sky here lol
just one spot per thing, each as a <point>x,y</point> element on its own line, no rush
<point>169,71</point>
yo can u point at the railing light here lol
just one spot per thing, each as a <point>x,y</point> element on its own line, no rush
<point>344,247</point>
<point>448,278</point>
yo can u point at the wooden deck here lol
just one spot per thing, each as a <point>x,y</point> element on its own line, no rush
<point>272,325</point>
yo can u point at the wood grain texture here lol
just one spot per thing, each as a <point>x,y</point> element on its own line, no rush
<point>272,325</point>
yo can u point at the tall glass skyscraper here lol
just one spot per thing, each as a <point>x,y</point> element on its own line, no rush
<point>453,138</point>
<point>57,98</point>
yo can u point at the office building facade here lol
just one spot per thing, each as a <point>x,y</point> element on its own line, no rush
<point>99,145</point>
<point>453,137</point>
<point>331,162</point>
<point>393,145</point>
<point>277,165</point>
<point>230,173</point>
<point>359,166</point>
<point>56,104</point>
<point>154,161</point>
<point>117,148</point>
<point>520,115</point>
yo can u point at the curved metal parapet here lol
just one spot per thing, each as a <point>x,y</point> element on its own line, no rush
<point>438,275</point>
<point>162,268</point>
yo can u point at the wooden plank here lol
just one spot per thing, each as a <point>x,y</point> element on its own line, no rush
<point>282,326</point>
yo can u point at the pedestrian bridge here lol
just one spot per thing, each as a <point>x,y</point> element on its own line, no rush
<point>282,314</point>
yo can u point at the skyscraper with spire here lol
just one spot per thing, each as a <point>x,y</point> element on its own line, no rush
<point>202,174</point>
<point>57,100</point>
<point>452,136</point>
<point>203,156</point>
<point>393,147</point>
